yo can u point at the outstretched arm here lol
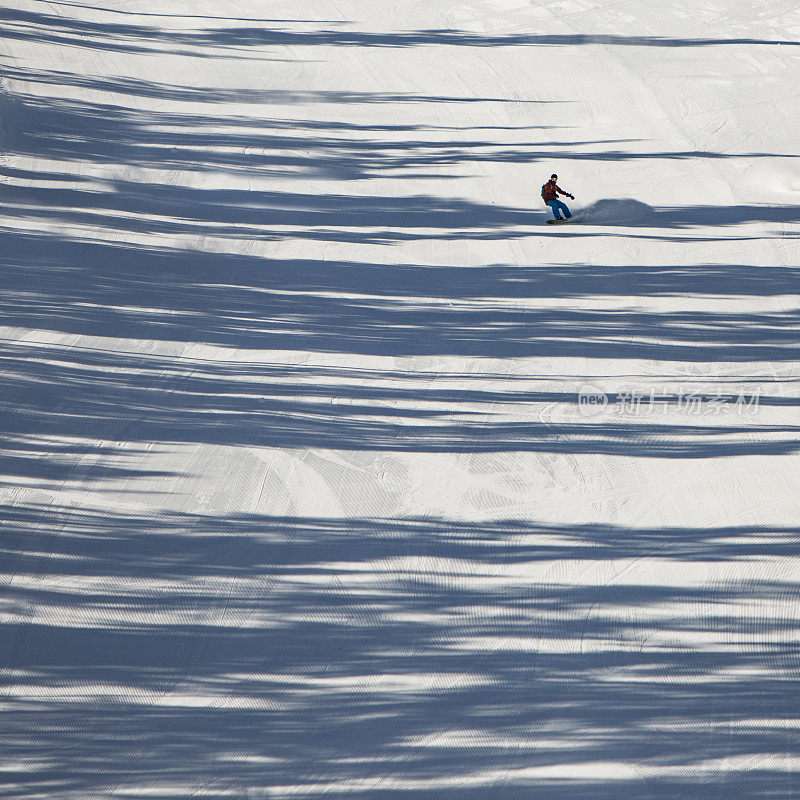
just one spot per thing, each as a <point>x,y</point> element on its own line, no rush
<point>566,194</point>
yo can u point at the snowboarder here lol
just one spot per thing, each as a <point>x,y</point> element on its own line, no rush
<point>550,192</point>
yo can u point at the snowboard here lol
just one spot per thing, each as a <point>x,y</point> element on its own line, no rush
<point>558,221</point>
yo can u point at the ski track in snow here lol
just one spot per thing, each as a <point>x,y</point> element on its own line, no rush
<point>330,469</point>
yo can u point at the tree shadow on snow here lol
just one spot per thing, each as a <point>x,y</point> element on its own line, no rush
<point>182,298</point>
<point>174,296</point>
<point>235,40</point>
<point>627,212</point>
<point>224,656</point>
<point>247,656</point>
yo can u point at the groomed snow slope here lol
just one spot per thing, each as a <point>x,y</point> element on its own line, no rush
<point>330,470</point>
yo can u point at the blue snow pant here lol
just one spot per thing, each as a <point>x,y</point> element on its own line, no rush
<point>557,207</point>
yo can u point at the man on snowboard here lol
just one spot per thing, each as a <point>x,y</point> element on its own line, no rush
<point>550,192</point>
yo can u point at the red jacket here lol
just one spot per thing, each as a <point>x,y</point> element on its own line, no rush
<point>550,191</point>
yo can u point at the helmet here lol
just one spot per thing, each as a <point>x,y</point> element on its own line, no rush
<point>553,177</point>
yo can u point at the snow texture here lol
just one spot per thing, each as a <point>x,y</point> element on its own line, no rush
<point>329,470</point>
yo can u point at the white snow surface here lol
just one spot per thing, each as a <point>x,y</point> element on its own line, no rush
<point>330,470</point>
